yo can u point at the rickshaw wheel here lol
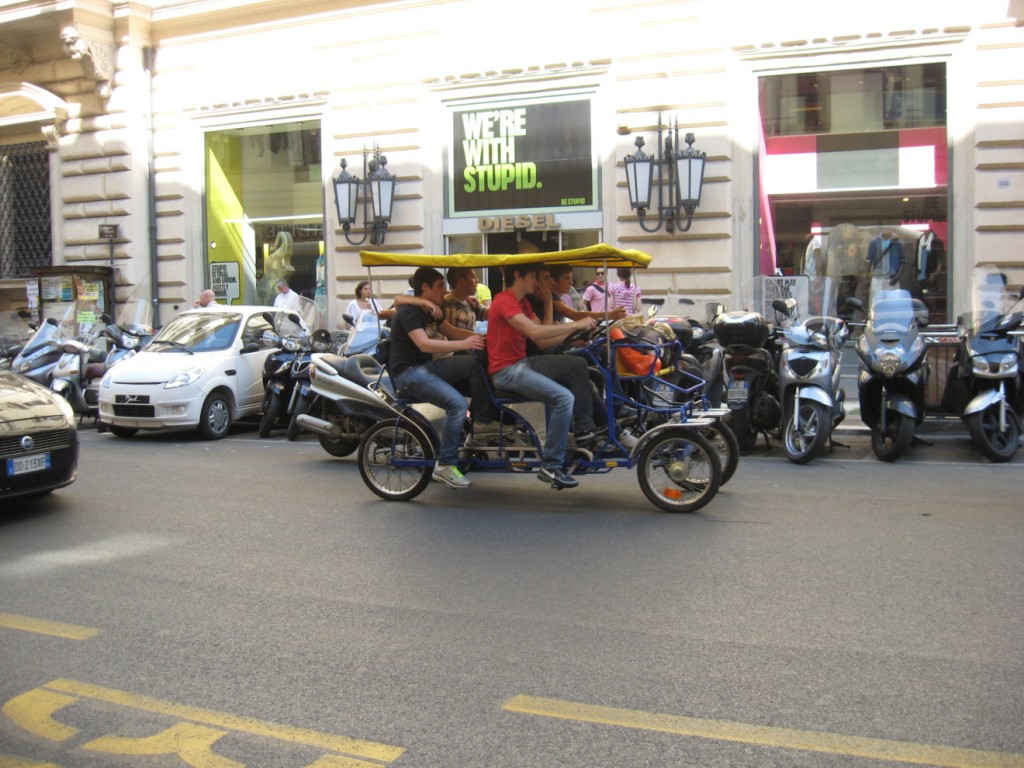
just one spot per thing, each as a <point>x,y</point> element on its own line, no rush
<point>381,446</point>
<point>679,470</point>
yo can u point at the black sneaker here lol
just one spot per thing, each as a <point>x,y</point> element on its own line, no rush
<point>557,477</point>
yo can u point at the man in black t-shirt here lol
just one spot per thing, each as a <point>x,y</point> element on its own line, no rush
<point>418,374</point>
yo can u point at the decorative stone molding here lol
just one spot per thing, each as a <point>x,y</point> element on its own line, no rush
<point>95,57</point>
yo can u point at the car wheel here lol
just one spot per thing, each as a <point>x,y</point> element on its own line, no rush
<point>215,418</point>
<point>123,431</point>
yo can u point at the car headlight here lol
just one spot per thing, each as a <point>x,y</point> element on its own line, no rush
<point>65,408</point>
<point>107,378</point>
<point>184,378</point>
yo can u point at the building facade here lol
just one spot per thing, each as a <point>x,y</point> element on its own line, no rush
<point>209,132</point>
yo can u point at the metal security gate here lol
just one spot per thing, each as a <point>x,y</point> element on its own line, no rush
<point>25,232</point>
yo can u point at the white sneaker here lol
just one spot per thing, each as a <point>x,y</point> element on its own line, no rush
<point>628,439</point>
<point>450,476</point>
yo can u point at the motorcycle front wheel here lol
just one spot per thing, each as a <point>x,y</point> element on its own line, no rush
<point>380,451</point>
<point>891,444</point>
<point>679,470</point>
<point>301,407</point>
<point>996,445</point>
<point>808,441</point>
<point>270,414</point>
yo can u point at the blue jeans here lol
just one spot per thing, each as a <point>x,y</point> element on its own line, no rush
<point>522,379</point>
<point>427,383</point>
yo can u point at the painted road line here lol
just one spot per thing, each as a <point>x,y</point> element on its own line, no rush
<point>330,742</point>
<point>785,738</point>
<point>44,627</point>
<point>6,761</point>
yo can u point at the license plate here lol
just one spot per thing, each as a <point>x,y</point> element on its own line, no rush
<point>25,464</point>
<point>737,392</point>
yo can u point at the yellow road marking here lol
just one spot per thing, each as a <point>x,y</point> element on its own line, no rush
<point>812,741</point>
<point>192,743</point>
<point>33,711</point>
<point>44,627</point>
<point>6,761</point>
<point>330,742</point>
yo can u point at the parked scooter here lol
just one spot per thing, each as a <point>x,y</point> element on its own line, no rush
<point>41,353</point>
<point>291,337</point>
<point>16,328</point>
<point>77,374</point>
<point>80,369</point>
<point>751,351</point>
<point>984,383</point>
<point>303,397</point>
<point>813,402</point>
<point>894,370</point>
<point>131,333</point>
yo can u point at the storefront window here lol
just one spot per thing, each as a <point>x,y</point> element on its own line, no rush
<point>847,155</point>
<point>265,220</point>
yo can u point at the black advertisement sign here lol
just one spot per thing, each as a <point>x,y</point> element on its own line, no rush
<point>526,156</point>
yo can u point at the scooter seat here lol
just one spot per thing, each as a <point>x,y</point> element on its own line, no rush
<point>95,371</point>
<point>362,369</point>
<point>337,362</point>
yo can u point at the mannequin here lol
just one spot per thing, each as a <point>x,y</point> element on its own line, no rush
<point>814,268</point>
<point>930,255</point>
<point>886,260</point>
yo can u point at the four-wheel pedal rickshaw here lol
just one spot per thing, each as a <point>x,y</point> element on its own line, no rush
<point>672,431</point>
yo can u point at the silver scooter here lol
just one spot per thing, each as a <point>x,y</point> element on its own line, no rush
<point>813,402</point>
<point>354,394</point>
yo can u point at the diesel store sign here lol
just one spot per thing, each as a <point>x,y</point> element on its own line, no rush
<point>522,157</point>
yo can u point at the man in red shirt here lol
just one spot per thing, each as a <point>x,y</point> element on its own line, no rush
<point>510,323</point>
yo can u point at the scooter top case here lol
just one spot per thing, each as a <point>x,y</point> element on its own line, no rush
<point>741,329</point>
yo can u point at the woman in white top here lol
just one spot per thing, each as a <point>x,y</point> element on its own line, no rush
<point>364,302</point>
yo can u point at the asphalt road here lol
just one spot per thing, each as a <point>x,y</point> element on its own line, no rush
<point>249,602</point>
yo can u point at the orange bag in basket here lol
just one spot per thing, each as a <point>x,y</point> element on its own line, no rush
<point>630,361</point>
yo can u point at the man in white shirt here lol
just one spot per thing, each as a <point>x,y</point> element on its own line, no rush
<point>286,298</point>
<point>206,299</point>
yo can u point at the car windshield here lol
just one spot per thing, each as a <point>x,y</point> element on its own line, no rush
<point>199,332</point>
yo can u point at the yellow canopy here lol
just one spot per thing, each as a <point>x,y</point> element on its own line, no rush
<point>591,256</point>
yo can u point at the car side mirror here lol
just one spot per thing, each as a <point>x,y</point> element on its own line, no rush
<point>252,346</point>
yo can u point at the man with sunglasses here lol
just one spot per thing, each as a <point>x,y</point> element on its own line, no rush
<point>596,295</point>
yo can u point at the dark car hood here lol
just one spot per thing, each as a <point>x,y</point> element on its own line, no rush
<point>22,399</point>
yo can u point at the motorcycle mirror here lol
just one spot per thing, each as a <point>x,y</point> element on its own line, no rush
<point>687,302</point>
<point>781,305</point>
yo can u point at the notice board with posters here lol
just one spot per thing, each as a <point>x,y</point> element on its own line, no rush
<point>526,155</point>
<point>89,288</point>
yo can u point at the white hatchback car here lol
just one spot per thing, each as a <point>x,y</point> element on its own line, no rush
<point>204,369</point>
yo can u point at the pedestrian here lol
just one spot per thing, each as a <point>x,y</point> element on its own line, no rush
<point>206,299</point>
<point>624,293</point>
<point>286,298</point>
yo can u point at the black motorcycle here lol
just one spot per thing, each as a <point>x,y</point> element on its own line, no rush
<point>894,370</point>
<point>751,351</point>
<point>303,397</point>
<point>284,367</point>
